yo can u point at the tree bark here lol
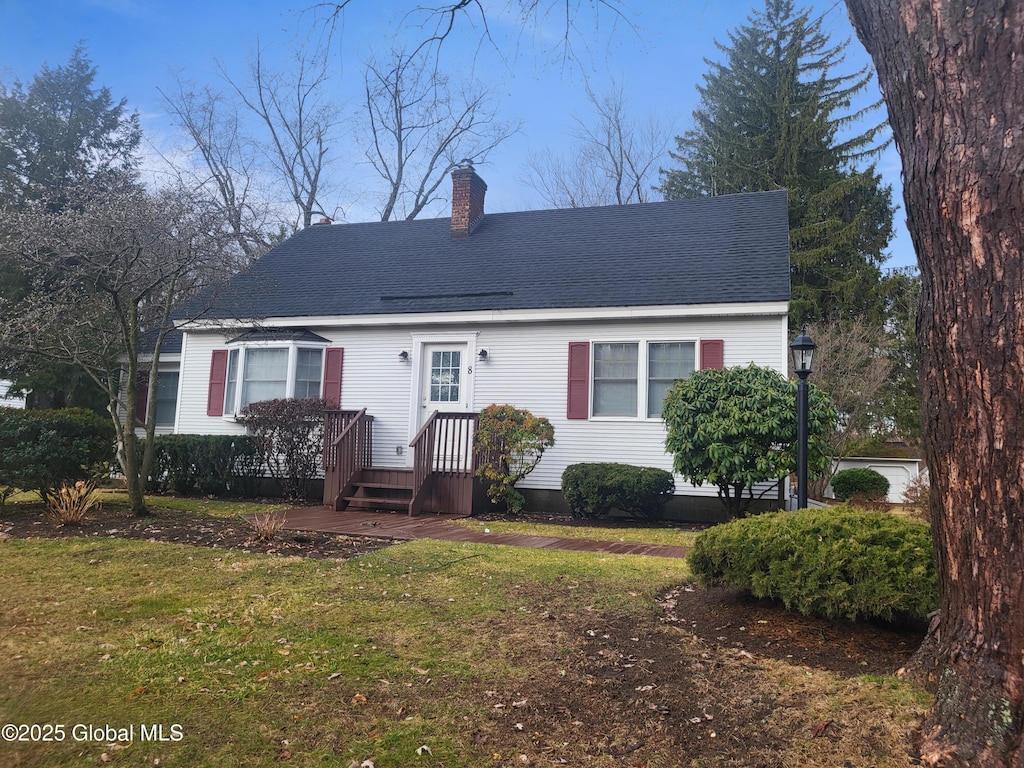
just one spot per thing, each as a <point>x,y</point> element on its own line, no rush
<point>952,73</point>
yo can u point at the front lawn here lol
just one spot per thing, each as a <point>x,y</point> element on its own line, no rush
<point>423,654</point>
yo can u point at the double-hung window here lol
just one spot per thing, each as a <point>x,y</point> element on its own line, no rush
<point>667,362</point>
<point>631,378</point>
<point>615,378</point>
<point>259,370</point>
<point>166,398</point>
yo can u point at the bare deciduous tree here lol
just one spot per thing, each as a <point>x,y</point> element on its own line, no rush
<point>230,165</point>
<point>851,367</point>
<point>108,268</point>
<point>613,161</point>
<point>300,122</point>
<point>420,127</point>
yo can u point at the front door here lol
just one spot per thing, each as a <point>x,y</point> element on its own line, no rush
<point>444,386</point>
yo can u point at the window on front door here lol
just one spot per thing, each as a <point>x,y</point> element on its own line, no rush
<point>445,376</point>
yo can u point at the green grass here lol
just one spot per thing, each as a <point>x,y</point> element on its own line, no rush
<point>196,505</point>
<point>262,659</point>
<point>671,536</point>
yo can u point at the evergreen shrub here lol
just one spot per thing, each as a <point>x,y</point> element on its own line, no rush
<point>42,450</point>
<point>592,490</point>
<point>863,482</point>
<point>214,465</point>
<point>833,563</point>
<point>510,442</point>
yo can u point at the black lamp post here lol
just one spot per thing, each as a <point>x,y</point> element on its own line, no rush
<point>803,352</point>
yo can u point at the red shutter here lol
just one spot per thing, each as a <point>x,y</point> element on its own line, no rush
<point>141,395</point>
<point>712,354</point>
<point>578,400</point>
<point>332,375</point>
<point>218,379</point>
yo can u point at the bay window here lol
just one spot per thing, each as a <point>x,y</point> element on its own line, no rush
<point>258,371</point>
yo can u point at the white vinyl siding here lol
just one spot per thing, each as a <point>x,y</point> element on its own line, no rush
<point>526,366</point>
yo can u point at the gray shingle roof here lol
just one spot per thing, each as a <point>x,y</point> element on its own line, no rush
<point>733,248</point>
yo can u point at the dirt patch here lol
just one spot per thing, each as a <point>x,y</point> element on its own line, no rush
<point>168,525</point>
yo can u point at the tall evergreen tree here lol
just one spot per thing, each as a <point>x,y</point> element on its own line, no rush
<point>60,137</point>
<point>772,116</point>
<point>60,133</point>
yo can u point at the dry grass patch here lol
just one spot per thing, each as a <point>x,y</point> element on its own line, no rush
<point>639,535</point>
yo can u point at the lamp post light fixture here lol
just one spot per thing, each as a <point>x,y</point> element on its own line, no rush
<point>803,353</point>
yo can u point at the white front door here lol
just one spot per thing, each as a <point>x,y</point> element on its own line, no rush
<point>444,385</point>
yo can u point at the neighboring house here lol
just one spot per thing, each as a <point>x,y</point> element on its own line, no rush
<point>8,400</point>
<point>584,316</point>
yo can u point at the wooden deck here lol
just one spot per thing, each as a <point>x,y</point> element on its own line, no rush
<point>401,527</point>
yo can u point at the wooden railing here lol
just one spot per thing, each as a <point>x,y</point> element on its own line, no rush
<point>443,448</point>
<point>348,448</point>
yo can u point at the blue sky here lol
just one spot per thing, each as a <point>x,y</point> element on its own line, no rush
<point>137,44</point>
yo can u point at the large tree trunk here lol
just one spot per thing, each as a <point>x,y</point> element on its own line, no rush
<point>952,73</point>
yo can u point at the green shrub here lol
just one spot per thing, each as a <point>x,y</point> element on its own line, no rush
<point>833,563</point>
<point>42,450</point>
<point>860,482</point>
<point>510,442</point>
<point>593,490</point>
<point>211,464</point>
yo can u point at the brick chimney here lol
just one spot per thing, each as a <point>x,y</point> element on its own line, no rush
<point>468,192</point>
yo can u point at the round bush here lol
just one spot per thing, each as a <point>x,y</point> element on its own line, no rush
<point>832,563</point>
<point>593,489</point>
<point>860,482</point>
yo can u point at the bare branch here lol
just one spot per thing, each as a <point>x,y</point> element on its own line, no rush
<point>420,129</point>
<point>613,161</point>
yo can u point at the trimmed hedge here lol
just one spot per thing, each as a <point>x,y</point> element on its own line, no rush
<point>212,464</point>
<point>832,563</point>
<point>593,490</point>
<point>860,482</point>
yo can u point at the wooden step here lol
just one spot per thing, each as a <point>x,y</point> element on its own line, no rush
<point>393,475</point>
<point>376,502</point>
<point>386,486</point>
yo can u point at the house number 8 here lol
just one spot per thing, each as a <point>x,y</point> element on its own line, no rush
<point>469,371</point>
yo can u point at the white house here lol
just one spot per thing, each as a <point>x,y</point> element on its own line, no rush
<point>584,316</point>
<point>7,399</point>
